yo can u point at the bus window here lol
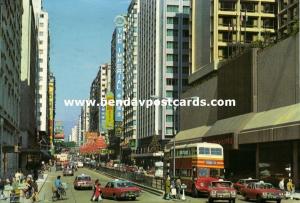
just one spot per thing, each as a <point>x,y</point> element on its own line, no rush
<point>203,172</point>
<point>204,150</point>
<point>216,151</point>
<point>194,151</point>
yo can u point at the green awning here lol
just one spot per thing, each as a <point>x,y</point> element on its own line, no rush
<point>190,134</point>
<point>229,125</point>
<point>279,116</point>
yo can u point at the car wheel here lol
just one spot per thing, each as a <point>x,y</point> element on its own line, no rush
<point>195,192</point>
<point>259,200</point>
<point>210,200</point>
<point>246,198</point>
<point>232,201</point>
<point>115,197</point>
<point>133,198</point>
<point>278,201</point>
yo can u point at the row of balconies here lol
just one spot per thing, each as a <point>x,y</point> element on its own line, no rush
<point>251,7</point>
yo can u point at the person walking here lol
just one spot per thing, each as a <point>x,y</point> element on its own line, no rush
<point>167,187</point>
<point>35,195</point>
<point>97,192</point>
<point>281,184</point>
<point>178,187</point>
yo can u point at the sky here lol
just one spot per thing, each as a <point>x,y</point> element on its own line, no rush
<point>80,36</point>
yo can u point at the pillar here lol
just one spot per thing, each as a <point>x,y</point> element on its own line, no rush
<point>295,170</point>
<point>257,161</point>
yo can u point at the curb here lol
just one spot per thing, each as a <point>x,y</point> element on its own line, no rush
<point>146,188</point>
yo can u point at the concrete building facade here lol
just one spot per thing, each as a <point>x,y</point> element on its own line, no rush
<point>10,74</point>
<point>129,142</point>
<point>163,67</point>
<point>233,25</point>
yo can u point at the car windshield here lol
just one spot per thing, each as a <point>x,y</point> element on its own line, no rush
<point>264,185</point>
<point>221,184</point>
<point>251,181</point>
<point>124,184</point>
<point>84,178</point>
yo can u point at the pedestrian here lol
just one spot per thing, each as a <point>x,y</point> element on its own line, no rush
<point>290,186</point>
<point>281,184</point>
<point>35,191</point>
<point>178,187</point>
<point>167,187</point>
<point>97,192</point>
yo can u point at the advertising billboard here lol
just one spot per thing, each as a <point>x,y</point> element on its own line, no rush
<point>109,114</point>
<point>59,130</point>
<point>102,119</point>
<point>120,23</point>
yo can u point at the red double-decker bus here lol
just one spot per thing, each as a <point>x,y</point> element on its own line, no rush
<point>197,164</point>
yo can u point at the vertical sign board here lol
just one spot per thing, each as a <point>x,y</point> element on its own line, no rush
<point>102,119</point>
<point>109,117</point>
<point>120,23</point>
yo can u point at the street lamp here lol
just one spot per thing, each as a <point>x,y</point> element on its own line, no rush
<point>174,124</point>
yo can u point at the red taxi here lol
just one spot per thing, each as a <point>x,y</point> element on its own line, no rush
<point>120,189</point>
<point>201,185</point>
<point>83,182</point>
<point>261,192</point>
<point>221,190</point>
<point>242,183</point>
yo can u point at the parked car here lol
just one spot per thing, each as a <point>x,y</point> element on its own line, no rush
<point>242,183</point>
<point>261,192</point>
<point>68,171</point>
<point>120,189</point>
<point>83,182</point>
<point>221,190</point>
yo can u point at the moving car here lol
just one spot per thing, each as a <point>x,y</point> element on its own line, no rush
<point>79,164</point>
<point>58,166</point>
<point>201,185</point>
<point>68,171</point>
<point>221,190</point>
<point>83,182</point>
<point>120,189</point>
<point>261,192</point>
<point>242,183</point>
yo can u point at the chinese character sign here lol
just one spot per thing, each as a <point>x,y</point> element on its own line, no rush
<point>109,114</point>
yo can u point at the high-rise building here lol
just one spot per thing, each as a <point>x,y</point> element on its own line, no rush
<point>163,64</point>
<point>97,93</point>
<point>85,122</point>
<point>74,134</point>
<point>288,17</point>
<point>221,28</point>
<point>43,72</point>
<point>51,109</point>
<point>10,74</point>
<point>130,80</point>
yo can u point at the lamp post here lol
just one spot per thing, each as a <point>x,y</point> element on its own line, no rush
<point>174,125</point>
<point>1,141</point>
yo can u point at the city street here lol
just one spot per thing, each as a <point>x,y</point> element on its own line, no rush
<point>81,196</point>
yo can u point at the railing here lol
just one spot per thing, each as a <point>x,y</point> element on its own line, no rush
<point>149,181</point>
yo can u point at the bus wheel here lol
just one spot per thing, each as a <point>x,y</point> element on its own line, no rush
<point>195,192</point>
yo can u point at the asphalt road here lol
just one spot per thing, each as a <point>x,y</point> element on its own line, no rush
<point>83,196</point>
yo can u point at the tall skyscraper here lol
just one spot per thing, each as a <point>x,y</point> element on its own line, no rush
<point>233,25</point>
<point>129,142</point>
<point>43,70</point>
<point>163,64</point>
<point>10,74</point>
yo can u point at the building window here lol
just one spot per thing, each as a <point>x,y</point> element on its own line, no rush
<point>185,58</point>
<point>41,24</point>
<point>185,70</point>
<point>172,69</point>
<point>185,33</point>
<point>172,33</point>
<point>40,60</point>
<point>185,21</point>
<point>172,57</point>
<point>172,45</point>
<point>42,15</point>
<point>185,45</point>
<point>172,20</point>
<point>169,118</point>
<point>41,42</point>
<point>41,33</point>
<point>186,9</point>
<point>171,81</point>
<point>172,8</point>
<point>169,131</point>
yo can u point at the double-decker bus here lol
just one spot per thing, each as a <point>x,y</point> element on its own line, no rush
<point>197,164</point>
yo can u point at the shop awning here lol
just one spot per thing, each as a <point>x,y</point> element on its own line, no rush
<point>274,117</point>
<point>191,134</point>
<point>229,125</point>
